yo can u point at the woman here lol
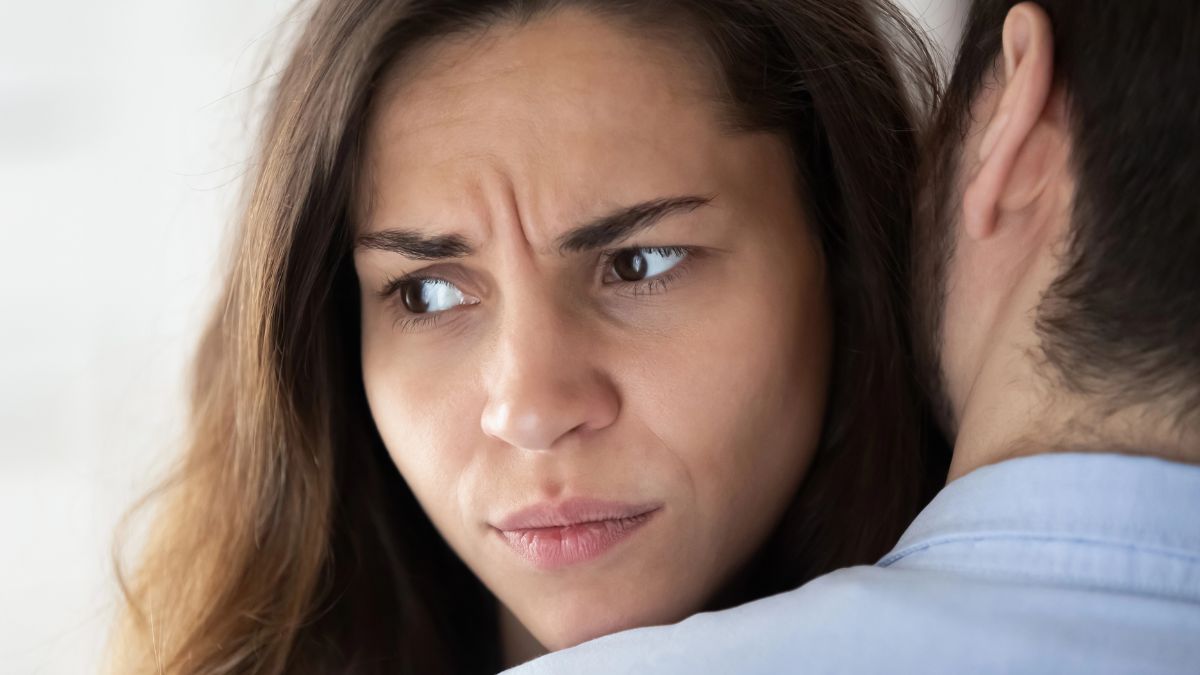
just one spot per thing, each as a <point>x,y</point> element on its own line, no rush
<point>547,320</point>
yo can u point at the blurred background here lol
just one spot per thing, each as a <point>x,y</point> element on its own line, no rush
<point>125,130</point>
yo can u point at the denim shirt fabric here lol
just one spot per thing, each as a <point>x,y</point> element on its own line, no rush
<point>1059,563</point>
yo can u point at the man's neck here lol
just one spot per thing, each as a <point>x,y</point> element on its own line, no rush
<point>1018,408</point>
<point>1017,404</point>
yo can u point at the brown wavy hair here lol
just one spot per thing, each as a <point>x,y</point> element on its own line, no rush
<point>287,541</point>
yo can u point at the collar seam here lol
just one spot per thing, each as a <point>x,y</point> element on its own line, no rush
<point>942,540</point>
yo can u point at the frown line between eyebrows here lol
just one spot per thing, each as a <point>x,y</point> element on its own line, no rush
<point>599,233</point>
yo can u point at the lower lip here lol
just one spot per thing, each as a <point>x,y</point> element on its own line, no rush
<point>554,547</point>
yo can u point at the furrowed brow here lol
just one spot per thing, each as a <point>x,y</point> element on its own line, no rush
<point>626,222</point>
<point>604,231</point>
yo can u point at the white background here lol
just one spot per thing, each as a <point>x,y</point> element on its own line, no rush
<point>124,129</point>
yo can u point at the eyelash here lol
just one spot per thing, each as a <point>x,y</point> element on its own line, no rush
<point>412,322</point>
<point>652,286</point>
<point>408,321</point>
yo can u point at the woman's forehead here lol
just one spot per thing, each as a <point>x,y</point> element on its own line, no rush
<point>563,54</point>
<point>570,111</point>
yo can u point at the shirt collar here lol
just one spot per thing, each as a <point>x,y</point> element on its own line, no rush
<point>1115,504</point>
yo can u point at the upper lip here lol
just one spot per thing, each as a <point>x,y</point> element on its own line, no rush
<point>572,512</point>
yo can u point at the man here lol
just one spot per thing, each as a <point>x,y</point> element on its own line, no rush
<point>1060,270</point>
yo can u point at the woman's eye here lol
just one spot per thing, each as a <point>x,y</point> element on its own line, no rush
<point>637,264</point>
<point>428,296</point>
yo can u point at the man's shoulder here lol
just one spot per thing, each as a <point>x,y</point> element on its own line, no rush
<point>871,619</point>
<point>767,635</point>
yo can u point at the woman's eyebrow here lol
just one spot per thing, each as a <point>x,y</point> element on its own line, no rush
<point>625,222</point>
<point>599,233</point>
<point>415,245</point>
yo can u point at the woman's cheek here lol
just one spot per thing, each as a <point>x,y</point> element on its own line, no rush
<point>735,392</point>
<point>421,421</point>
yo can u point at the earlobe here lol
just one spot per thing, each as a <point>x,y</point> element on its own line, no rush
<point>1028,53</point>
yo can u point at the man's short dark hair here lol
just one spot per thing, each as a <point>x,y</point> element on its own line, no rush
<point>1122,321</point>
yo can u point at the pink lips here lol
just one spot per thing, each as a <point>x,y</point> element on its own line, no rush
<point>550,536</point>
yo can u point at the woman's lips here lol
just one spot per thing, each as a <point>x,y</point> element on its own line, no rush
<point>550,536</point>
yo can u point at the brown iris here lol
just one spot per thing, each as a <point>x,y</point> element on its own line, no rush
<point>630,265</point>
<point>414,298</point>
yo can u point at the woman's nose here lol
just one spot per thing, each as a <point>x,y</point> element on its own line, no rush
<point>544,384</point>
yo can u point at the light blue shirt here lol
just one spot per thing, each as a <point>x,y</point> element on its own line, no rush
<point>1068,563</point>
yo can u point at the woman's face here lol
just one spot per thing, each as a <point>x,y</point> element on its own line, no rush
<point>595,328</point>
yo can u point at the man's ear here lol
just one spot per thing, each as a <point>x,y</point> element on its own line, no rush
<point>1028,50</point>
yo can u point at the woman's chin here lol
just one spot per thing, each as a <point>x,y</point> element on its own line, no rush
<point>571,626</point>
<point>563,637</point>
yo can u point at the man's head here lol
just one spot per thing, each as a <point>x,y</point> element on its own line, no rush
<point>1059,262</point>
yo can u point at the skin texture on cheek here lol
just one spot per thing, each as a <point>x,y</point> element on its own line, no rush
<point>755,416</point>
<point>705,397</point>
